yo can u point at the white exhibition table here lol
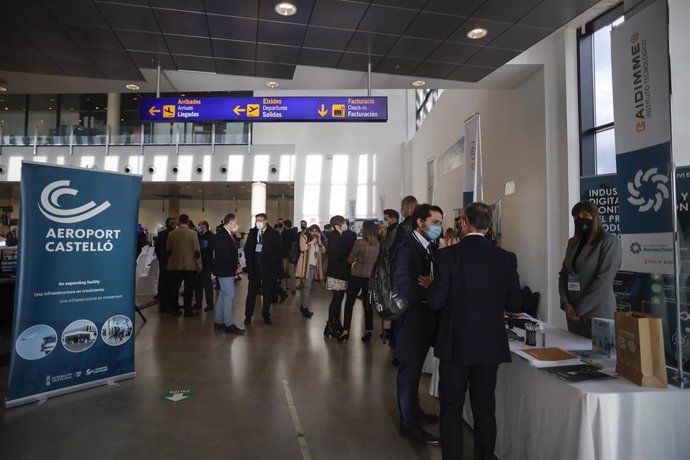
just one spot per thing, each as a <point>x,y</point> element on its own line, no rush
<point>541,417</point>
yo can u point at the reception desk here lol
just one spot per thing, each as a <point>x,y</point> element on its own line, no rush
<point>541,417</point>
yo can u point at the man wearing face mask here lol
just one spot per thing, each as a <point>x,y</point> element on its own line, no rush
<point>412,267</point>
<point>585,282</point>
<point>263,254</point>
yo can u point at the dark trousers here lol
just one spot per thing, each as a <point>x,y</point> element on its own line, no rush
<point>204,284</point>
<point>268,288</point>
<point>414,336</point>
<point>335,307</point>
<point>355,285</point>
<point>453,384</point>
<point>164,289</point>
<point>176,279</point>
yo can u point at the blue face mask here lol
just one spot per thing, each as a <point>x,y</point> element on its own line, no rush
<point>198,230</point>
<point>434,231</point>
<point>385,223</point>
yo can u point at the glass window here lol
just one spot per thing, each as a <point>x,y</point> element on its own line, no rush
<point>424,102</point>
<point>43,117</point>
<point>597,131</point>
<point>312,187</point>
<point>12,119</point>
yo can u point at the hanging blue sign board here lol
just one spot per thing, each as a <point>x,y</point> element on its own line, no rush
<point>264,109</point>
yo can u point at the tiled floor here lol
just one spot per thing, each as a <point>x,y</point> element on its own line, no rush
<point>344,395</point>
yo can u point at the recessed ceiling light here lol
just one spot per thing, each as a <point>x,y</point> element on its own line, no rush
<point>133,87</point>
<point>286,9</point>
<point>272,84</point>
<point>418,83</point>
<point>476,34</point>
<point>2,89</point>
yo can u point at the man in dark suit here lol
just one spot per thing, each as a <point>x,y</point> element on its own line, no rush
<point>475,283</point>
<point>412,272</point>
<point>263,255</point>
<point>163,276</point>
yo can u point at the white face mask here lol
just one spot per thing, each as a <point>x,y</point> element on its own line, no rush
<point>260,225</point>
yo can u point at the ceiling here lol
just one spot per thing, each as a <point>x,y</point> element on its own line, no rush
<point>184,191</point>
<point>121,39</point>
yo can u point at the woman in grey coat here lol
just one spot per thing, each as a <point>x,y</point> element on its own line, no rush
<point>592,259</point>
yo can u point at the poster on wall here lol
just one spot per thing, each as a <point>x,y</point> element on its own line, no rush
<point>453,157</point>
<point>73,325</point>
<point>473,183</point>
<point>641,105</point>
<point>651,293</point>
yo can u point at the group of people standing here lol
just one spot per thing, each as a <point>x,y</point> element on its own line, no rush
<point>456,285</point>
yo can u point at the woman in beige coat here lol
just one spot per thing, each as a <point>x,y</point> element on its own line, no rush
<point>310,265</point>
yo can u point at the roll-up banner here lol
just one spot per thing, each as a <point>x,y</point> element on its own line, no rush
<point>641,103</point>
<point>73,325</point>
<point>474,186</point>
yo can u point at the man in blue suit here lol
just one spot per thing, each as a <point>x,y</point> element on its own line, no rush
<point>475,283</point>
<point>412,272</point>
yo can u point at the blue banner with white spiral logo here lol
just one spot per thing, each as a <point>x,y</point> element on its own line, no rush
<point>641,103</point>
<point>73,324</point>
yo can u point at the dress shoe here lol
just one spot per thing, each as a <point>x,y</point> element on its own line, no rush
<point>248,320</point>
<point>208,309</point>
<point>420,436</point>
<point>177,312</point>
<point>283,296</point>
<point>196,306</point>
<point>189,313</point>
<point>233,330</point>
<point>267,320</point>
<point>427,418</point>
<point>366,338</point>
<point>218,326</point>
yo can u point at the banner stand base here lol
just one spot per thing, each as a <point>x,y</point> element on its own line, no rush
<point>41,398</point>
<point>674,379</point>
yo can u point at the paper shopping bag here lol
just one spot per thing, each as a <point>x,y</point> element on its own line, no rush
<point>640,349</point>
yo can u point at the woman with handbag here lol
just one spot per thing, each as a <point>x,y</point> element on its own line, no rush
<point>309,265</point>
<point>337,275</point>
<point>363,256</point>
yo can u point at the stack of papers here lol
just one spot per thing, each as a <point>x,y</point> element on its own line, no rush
<point>547,357</point>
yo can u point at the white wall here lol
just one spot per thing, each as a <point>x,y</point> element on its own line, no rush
<point>528,135</point>
<point>513,148</point>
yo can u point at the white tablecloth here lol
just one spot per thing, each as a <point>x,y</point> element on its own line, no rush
<point>541,417</point>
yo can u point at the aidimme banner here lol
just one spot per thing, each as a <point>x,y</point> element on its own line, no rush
<point>73,324</point>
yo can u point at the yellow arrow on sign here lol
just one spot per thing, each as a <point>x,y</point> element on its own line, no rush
<point>238,110</point>
<point>323,110</point>
<point>153,111</point>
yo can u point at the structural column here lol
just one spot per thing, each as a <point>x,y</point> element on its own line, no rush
<point>284,210</point>
<point>258,199</point>
<point>113,115</point>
